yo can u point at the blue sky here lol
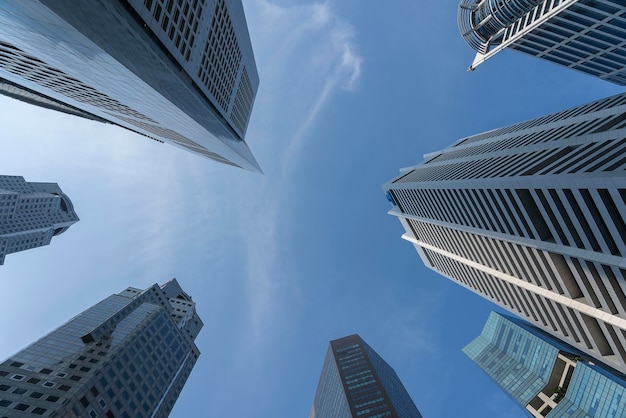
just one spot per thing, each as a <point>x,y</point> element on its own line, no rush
<point>281,263</point>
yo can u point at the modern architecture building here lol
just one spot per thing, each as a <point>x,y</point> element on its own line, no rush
<point>586,35</point>
<point>31,214</point>
<point>532,217</point>
<point>127,356</point>
<point>181,72</point>
<point>544,375</point>
<point>357,382</point>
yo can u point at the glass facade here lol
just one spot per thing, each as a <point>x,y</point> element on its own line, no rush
<point>129,355</point>
<point>546,376</point>
<point>357,382</point>
<point>114,61</point>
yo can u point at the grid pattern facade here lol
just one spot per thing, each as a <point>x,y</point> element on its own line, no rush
<point>357,382</point>
<point>544,375</point>
<point>220,61</point>
<point>148,55</point>
<point>586,35</point>
<point>531,216</point>
<point>126,356</point>
<point>31,214</point>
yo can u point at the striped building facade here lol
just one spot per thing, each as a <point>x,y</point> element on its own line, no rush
<point>531,217</point>
<point>586,35</point>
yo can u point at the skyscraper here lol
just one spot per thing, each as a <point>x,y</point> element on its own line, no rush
<point>181,72</point>
<point>357,382</point>
<point>531,217</point>
<point>127,356</point>
<point>543,375</point>
<point>586,35</point>
<point>31,214</point>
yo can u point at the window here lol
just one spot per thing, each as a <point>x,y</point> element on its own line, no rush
<point>19,391</point>
<point>4,388</point>
<point>84,402</point>
<point>33,380</point>
<point>64,388</point>
<point>92,413</point>
<point>22,407</point>
<point>36,395</point>
<point>18,377</point>
<point>49,384</point>
<point>39,411</point>
<point>52,398</point>
<point>4,402</point>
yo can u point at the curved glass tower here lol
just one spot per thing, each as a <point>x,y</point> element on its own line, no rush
<point>481,21</point>
<point>585,35</point>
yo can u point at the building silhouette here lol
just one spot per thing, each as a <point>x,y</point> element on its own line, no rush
<point>531,217</point>
<point>543,375</point>
<point>181,72</point>
<point>129,355</point>
<point>31,214</point>
<point>585,35</point>
<point>357,382</point>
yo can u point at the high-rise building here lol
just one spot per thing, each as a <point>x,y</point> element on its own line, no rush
<point>586,35</point>
<point>31,214</point>
<point>531,217</point>
<point>127,356</point>
<point>181,72</point>
<point>357,382</point>
<point>543,375</point>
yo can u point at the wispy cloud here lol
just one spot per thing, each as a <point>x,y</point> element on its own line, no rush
<point>305,55</point>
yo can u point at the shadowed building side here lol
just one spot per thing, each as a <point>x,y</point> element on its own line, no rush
<point>357,382</point>
<point>178,72</point>
<point>128,355</point>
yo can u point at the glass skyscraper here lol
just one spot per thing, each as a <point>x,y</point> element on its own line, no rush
<point>127,356</point>
<point>532,217</point>
<point>357,382</point>
<point>543,375</point>
<point>31,214</point>
<point>586,35</point>
<point>181,72</point>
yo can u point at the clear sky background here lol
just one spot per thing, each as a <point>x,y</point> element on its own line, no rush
<point>281,263</point>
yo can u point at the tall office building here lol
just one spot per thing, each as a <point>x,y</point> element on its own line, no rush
<point>531,217</point>
<point>127,356</point>
<point>31,214</point>
<point>543,375</point>
<point>181,72</point>
<point>586,35</point>
<point>357,382</point>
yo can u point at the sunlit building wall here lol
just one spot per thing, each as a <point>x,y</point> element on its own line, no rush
<point>531,217</point>
<point>31,214</point>
<point>543,375</point>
